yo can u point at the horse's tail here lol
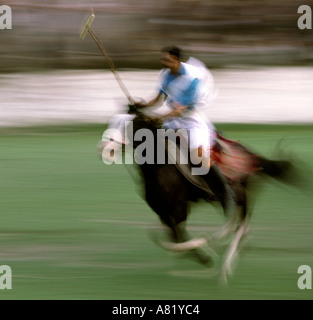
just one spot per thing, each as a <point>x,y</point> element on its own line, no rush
<point>284,171</point>
<point>277,169</point>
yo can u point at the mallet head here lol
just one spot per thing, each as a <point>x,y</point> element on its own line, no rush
<point>87,25</point>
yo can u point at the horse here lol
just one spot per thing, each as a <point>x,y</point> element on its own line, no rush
<point>170,190</point>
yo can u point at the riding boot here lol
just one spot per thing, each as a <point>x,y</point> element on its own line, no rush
<point>217,181</point>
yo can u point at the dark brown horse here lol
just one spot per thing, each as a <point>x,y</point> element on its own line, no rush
<point>170,189</point>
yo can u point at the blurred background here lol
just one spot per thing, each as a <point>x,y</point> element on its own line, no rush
<point>72,227</point>
<point>221,33</point>
<point>260,59</point>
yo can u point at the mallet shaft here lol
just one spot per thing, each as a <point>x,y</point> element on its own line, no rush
<point>112,66</point>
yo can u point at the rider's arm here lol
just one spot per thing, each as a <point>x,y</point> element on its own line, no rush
<point>151,103</point>
<point>185,99</point>
<point>177,111</point>
<point>154,101</point>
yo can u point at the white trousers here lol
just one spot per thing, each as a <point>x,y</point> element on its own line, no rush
<point>201,132</point>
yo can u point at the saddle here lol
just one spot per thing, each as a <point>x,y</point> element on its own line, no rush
<point>234,160</point>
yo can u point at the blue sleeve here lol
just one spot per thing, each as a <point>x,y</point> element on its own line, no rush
<point>164,83</point>
<point>187,97</point>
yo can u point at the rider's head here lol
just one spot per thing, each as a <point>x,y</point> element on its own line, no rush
<point>171,58</point>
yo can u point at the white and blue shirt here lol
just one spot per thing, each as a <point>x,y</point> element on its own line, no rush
<point>188,86</point>
<point>192,87</point>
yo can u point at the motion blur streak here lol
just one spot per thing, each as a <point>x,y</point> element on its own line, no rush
<point>74,228</point>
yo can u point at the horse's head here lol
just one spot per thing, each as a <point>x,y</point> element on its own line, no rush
<point>138,129</point>
<point>143,132</point>
<point>142,120</point>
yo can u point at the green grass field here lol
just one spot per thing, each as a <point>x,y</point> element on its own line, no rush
<point>74,228</point>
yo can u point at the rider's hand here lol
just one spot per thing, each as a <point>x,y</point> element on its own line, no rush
<point>159,120</point>
<point>140,104</point>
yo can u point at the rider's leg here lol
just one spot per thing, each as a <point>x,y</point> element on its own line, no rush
<point>218,183</point>
<point>202,137</point>
<point>215,179</point>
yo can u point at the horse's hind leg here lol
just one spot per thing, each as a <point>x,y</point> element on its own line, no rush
<point>227,228</point>
<point>227,267</point>
<point>223,191</point>
<point>240,233</point>
<point>228,198</point>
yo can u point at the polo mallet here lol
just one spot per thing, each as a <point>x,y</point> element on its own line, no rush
<point>86,29</point>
